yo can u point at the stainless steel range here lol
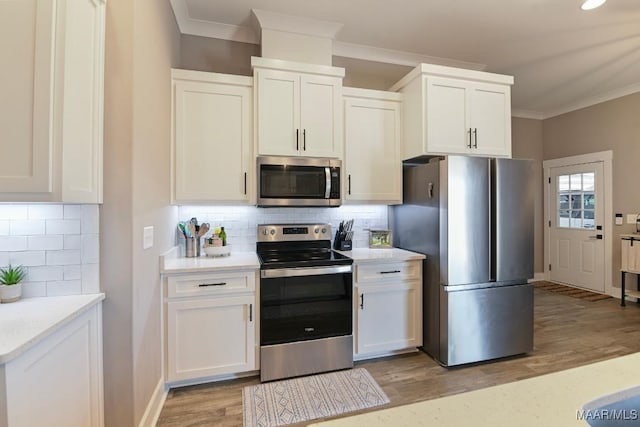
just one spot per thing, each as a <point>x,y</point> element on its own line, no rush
<point>306,302</point>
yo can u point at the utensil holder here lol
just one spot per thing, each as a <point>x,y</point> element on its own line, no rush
<point>192,247</point>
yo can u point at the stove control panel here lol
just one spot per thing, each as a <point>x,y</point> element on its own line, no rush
<point>293,232</point>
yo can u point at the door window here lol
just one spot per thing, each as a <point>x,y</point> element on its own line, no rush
<point>576,200</point>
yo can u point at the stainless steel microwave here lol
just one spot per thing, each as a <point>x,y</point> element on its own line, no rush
<point>298,181</point>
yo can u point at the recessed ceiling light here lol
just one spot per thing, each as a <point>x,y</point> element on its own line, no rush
<point>592,4</point>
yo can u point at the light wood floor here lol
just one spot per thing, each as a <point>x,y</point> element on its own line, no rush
<point>569,332</point>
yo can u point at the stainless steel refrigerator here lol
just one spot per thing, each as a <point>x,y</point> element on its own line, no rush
<point>473,219</point>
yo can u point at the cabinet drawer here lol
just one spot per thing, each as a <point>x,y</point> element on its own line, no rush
<point>211,284</point>
<point>377,272</point>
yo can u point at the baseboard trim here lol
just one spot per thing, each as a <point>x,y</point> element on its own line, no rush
<point>154,407</point>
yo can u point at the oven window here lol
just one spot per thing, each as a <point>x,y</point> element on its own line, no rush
<point>304,308</point>
<point>292,182</point>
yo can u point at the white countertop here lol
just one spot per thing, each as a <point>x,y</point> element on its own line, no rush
<point>548,400</point>
<point>28,321</point>
<point>381,255</point>
<point>235,261</point>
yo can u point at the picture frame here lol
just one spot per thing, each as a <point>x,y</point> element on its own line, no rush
<point>380,239</point>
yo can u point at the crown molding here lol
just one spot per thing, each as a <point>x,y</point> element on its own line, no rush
<point>593,100</point>
<point>397,57</point>
<point>216,30</point>
<point>527,114</point>
<point>295,24</point>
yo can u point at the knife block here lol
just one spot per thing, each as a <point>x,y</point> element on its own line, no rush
<point>341,244</point>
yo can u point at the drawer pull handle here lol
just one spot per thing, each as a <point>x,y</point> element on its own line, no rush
<point>390,272</point>
<point>204,285</point>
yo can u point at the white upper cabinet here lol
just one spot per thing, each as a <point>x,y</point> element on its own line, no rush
<point>212,154</point>
<point>455,111</point>
<point>51,109</point>
<point>298,108</point>
<point>372,162</point>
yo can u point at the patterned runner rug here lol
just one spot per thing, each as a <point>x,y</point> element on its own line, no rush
<point>296,400</point>
<point>570,291</point>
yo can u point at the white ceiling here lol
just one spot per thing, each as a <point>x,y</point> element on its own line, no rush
<point>562,58</point>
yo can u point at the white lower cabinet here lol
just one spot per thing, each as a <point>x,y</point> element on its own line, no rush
<point>59,381</point>
<point>387,309</point>
<point>212,333</point>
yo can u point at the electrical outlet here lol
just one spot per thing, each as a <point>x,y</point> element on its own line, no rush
<point>631,218</point>
<point>147,239</point>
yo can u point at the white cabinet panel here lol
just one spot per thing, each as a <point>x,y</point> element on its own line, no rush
<point>320,116</point>
<point>59,381</point>
<point>388,317</point>
<point>212,152</point>
<point>278,111</point>
<point>26,139</point>
<point>373,167</point>
<point>51,121</point>
<point>211,336</point>
<point>298,109</point>
<point>387,307</point>
<point>446,116</point>
<point>461,112</point>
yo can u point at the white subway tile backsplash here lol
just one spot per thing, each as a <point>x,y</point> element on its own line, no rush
<point>45,211</point>
<point>63,226</point>
<point>241,222</point>
<point>90,219</point>
<point>90,278</point>
<point>57,243</point>
<point>45,243</point>
<point>44,273</point>
<point>67,287</point>
<point>13,211</point>
<point>72,212</point>
<point>13,243</point>
<point>27,258</point>
<point>34,289</point>
<point>72,272</point>
<point>90,249</point>
<point>63,257</point>
<point>26,227</point>
<point>72,242</point>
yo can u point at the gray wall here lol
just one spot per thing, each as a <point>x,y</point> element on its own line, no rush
<point>612,125</point>
<point>142,45</point>
<point>220,56</point>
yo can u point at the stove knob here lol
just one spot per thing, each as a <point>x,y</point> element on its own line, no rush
<point>316,230</point>
<point>264,232</point>
<point>272,232</point>
<point>324,230</point>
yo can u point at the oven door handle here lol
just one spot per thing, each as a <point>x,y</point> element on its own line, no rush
<point>296,272</point>
<point>327,184</point>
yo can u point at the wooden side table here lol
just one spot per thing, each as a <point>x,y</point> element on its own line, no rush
<point>630,264</point>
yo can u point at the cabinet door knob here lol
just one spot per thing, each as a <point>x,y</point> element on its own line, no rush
<point>250,312</point>
<point>349,183</point>
<point>361,301</point>
<point>469,131</point>
<point>475,136</point>
<point>297,139</point>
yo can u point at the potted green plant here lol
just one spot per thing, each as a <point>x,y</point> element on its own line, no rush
<point>10,283</point>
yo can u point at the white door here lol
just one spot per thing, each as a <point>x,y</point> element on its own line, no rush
<point>576,225</point>
<point>372,150</point>
<point>212,142</point>
<point>388,317</point>
<point>490,115</point>
<point>448,129</point>
<point>278,111</point>
<point>320,114</point>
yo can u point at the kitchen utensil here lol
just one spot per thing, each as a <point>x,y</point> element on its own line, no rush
<point>182,229</point>
<point>204,228</point>
<point>192,246</point>
<point>192,230</point>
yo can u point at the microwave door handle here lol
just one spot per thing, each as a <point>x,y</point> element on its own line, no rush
<point>327,188</point>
